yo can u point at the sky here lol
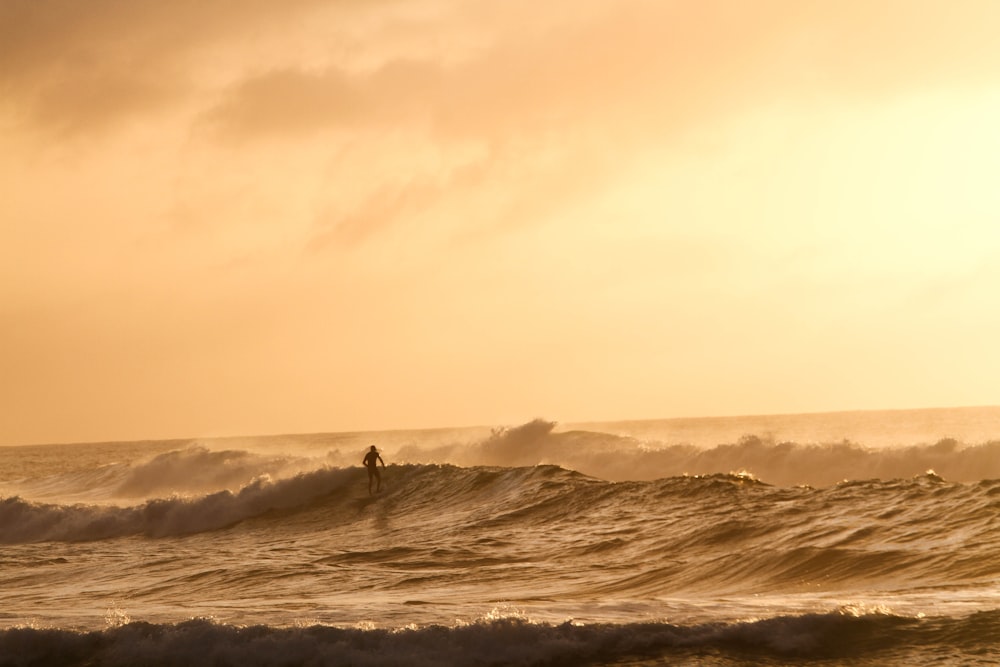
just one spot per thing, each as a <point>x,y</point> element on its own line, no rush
<point>223,218</point>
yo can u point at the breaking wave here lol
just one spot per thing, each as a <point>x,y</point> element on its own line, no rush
<point>722,530</point>
<point>620,458</point>
<point>865,638</point>
<point>25,521</point>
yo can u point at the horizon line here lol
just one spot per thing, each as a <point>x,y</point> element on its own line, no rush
<point>485,426</point>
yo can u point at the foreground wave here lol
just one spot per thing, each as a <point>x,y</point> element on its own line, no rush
<point>868,638</point>
<point>693,533</point>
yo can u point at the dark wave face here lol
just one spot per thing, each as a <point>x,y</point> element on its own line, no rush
<point>868,640</point>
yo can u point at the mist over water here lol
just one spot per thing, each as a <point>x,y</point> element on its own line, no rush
<point>843,446</point>
<point>869,539</point>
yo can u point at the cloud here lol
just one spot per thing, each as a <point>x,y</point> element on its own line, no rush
<point>389,203</point>
<point>489,190</point>
<point>671,62</point>
<point>515,67</point>
<point>79,66</point>
<point>520,82</point>
<point>551,107</point>
<point>552,111</point>
<point>593,89</point>
<point>295,101</point>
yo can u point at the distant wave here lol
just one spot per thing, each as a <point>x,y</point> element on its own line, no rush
<point>620,458</point>
<point>202,469</point>
<point>199,469</point>
<point>191,469</point>
<point>844,634</point>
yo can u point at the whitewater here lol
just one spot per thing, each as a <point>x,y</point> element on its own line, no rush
<point>855,538</point>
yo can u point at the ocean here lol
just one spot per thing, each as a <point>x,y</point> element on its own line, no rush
<point>853,538</point>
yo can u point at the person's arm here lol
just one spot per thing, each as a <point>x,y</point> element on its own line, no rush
<point>380,459</point>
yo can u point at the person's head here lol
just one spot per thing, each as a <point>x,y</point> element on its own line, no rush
<point>373,448</point>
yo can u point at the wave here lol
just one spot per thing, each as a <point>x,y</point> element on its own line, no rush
<point>25,521</point>
<point>621,458</point>
<point>418,490</point>
<point>713,532</point>
<point>198,468</point>
<point>191,469</point>
<point>844,634</point>
<point>110,473</point>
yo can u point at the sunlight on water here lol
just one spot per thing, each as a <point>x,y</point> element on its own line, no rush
<point>115,616</point>
<point>505,611</point>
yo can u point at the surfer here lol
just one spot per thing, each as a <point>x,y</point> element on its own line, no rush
<point>371,460</point>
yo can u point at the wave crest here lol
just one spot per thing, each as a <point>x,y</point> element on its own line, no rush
<point>26,521</point>
<point>199,469</point>
<point>835,635</point>
<point>622,458</point>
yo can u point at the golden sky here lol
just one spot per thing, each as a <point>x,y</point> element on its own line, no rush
<point>315,215</point>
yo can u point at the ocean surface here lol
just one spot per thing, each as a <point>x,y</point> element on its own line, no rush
<point>855,538</point>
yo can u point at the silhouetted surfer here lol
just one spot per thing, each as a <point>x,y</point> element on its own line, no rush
<point>372,459</point>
